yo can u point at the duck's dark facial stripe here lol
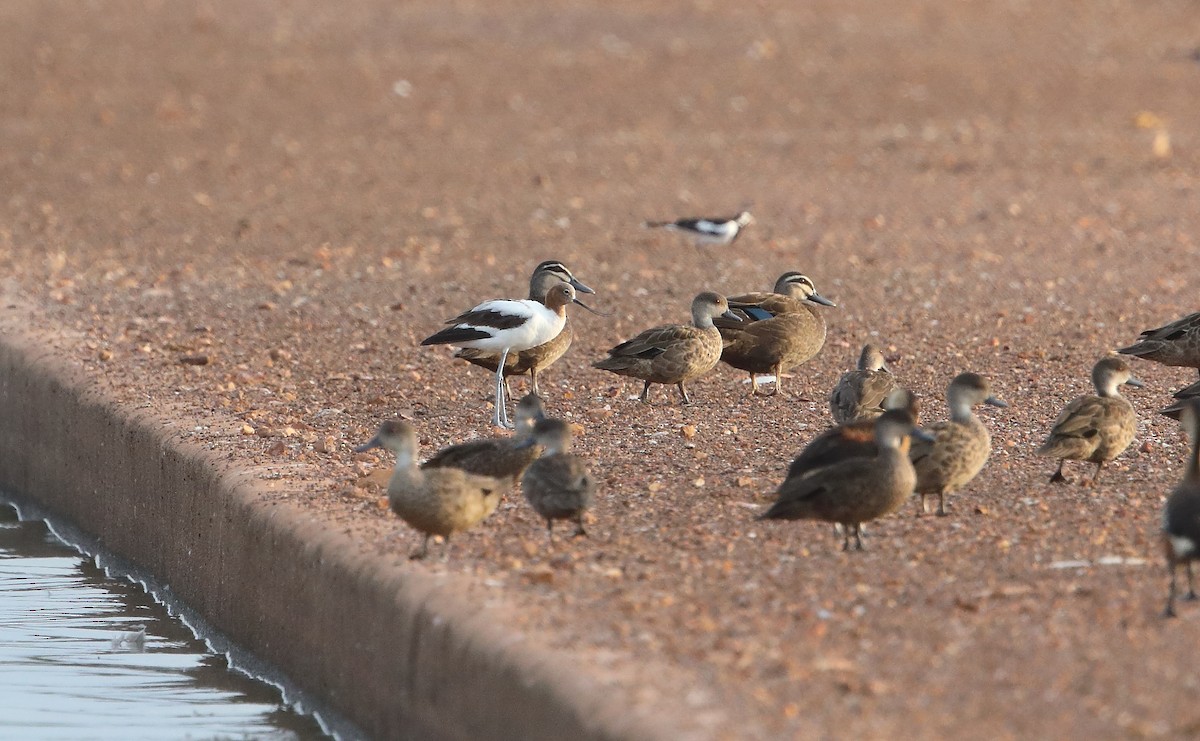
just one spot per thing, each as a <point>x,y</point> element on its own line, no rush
<point>554,266</point>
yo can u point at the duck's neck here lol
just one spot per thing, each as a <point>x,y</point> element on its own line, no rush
<point>702,320</point>
<point>960,409</point>
<point>1108,388</point>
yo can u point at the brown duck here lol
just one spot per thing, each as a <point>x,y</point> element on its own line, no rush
<point>498,457</point>
<point>960,445</point>
<point>675,353</point>
<point>437,501</point>
<point>1177,343</point>
<point>851,440</point>
<point>558,485</point>
<point>1095,428</point>
<point>532,361</point>
<point>1181,517</point>
<point>777,331</point>
<point>859,394</point>
<point>854,491</point>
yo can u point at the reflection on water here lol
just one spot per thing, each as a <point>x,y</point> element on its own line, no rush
<point>75,663</point>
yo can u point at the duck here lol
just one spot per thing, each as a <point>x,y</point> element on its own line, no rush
<point>1177,343</point>
<point>1174,410</point>
<point>506,326</point>
<point>715,231</point>
<point>674,353</point>
<point>775,331</point>
<point>557,485</point>
<point>960,446</point>
<point>1095,428</point>
<point>536,359</point>
<point>1181,516</point>
<point>853,491</point>
<point>860,393</point>
<point>498,457</point>
<point>854,439</point>
<point>436,501</point>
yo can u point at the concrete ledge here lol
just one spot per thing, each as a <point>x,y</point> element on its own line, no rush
<point>396,651</point>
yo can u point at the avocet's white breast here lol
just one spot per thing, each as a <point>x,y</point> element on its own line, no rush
<point>513,324</point>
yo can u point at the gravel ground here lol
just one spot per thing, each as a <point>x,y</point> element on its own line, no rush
<point>294,194</point>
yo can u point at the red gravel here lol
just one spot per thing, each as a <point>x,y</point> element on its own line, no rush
<point>246,215</point>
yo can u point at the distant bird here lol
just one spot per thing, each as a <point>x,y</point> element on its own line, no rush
<point>498,457</point>
<point>530,362</point>
<point>436,501</point>
<point>855,490</point>
<point>859,394</point>
<point>1095,428</point>
<point>1181,517</point>
<point>675,353</point>
<point>715,231</point>
<point>776,331</point>
<point>961,445</point>
<point>557,485</point>
<point>508,325</point>
<point>850,440</point>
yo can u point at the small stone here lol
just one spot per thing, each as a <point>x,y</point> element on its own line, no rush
<point>277,448</point>
<point>104,355</point>
<point>248,430</point>
<point>688,431</point>
<point>327,444</point>
<point>194,360</point>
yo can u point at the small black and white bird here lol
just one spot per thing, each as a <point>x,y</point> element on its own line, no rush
<point>706,232</point>
<point>508,325</point>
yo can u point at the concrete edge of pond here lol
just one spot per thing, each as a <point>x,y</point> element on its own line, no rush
<point>397,651</point>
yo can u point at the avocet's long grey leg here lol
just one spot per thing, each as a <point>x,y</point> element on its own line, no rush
<point>500,417</point>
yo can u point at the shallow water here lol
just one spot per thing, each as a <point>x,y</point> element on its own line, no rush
<point>76,664</point>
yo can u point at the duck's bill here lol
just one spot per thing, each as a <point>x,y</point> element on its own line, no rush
<point>372,443</point>
<point>579,286</point>
<point>817,298</point>
<point>597,313</point>
<point>993,401</point>
<point>1135,382</point>
<point>922,435</point>
<point>729,314</point>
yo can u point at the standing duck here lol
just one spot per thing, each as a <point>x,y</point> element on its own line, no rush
<point>498,457</point>
<point>856,490</point>
<point>437,501</point>
<point>777,332</point>
<point>961,444</point>
<point>1094,428</point>
<point>859,394</point>
<point>557,485</point>
<point>675,353</point>
<point>850,440</point>
<point>506,326</point>
<point>530,362</point>
<point>1181,518</point>
<point>718,231</point>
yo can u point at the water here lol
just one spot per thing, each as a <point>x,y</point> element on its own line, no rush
<point>87,656</point>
